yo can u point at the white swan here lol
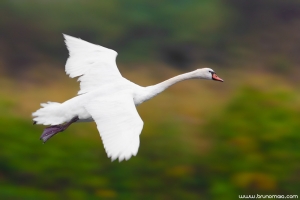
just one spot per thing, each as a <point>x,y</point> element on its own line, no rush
<point>106,98</point>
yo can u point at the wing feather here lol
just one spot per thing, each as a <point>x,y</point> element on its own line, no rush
<point>119,125</point>
<point>96,65</point>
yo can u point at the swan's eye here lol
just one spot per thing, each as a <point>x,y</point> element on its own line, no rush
<point>211,72</point>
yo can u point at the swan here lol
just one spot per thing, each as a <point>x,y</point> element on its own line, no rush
<point>105,97</point>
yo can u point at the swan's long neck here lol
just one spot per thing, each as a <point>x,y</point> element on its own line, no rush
<point>152,91</point>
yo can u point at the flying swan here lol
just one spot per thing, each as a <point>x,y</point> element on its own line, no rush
<point>105,97</point>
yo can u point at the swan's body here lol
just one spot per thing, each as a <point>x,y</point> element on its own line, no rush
<point>106,98</point>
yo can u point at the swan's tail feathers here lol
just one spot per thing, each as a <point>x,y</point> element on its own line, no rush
<point>50,114</point>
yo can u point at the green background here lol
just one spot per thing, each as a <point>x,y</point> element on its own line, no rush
<point>201,139</point>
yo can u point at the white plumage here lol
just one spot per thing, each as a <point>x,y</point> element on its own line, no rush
<point>106,97</point>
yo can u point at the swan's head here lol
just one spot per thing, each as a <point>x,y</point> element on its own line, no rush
<point>207,73</point>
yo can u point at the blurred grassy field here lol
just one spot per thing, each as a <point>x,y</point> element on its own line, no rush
<point>201,139</point>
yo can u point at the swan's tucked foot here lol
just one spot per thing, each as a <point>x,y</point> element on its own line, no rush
<point>52,130</point>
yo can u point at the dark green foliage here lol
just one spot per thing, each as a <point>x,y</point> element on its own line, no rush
<point>256,144</point>
<point>254,149</point>
<point>139,29</point>
<point>215,31</point>
<point>76,167</point>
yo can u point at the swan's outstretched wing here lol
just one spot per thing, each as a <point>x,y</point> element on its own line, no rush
<point>119,125</point>
<point>96,65</point>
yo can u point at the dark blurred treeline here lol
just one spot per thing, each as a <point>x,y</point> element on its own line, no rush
<point>180,32</point>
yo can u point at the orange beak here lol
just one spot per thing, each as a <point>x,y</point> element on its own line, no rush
<point>216,78</point>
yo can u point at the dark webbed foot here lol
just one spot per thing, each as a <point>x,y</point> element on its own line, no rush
<point>52,130</point>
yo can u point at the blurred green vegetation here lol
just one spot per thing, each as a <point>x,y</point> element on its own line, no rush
<point>201,139</point>
<point>178,32</point>
<point>256,144</point>
<point>252,147</point>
